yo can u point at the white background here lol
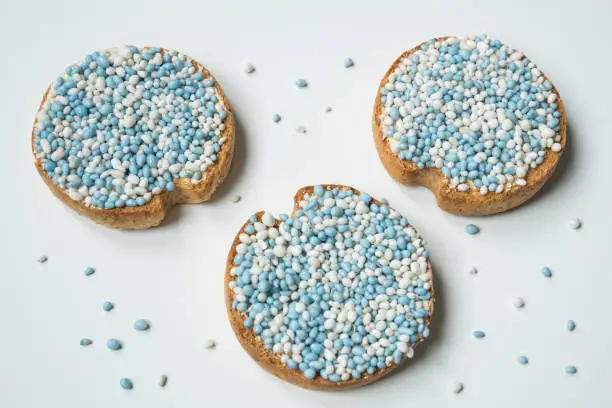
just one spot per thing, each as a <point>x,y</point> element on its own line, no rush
<point>173,275</point>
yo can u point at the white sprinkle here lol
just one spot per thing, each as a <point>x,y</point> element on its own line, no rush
<point>75,195</point>
<point>300,129</point>
<point>42,259</point>
<point>518,302</point>
<point>45,146</point>
<point>129,122</point>
<point>457,387</point>
<point>249,69</point>
<point>575,223</point>
<point>209,344</point>
<point>235,198</point>
<point>58,154</point>
<point>268,219</point>
<point>361,208</point>
<point>507,124</point>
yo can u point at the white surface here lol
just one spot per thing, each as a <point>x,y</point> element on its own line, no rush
<point>173,275</point>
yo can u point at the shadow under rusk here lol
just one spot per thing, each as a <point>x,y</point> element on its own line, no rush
<point>435,330</point>
<point>563,168</point>
<point>421,351</point>
<point>238,166</point>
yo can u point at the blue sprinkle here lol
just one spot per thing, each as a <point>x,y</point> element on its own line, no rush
<point>114,344</point>
<point>546,272</point>
<point>108,306</point>
<point>348,62</point>
<point>126,384</point>
<point>89,271</point>
<point>276,118</point>
<point>301,83</point>
<point>141,325</point>
<point>86,342</point>
<point>571,370</point>
<point>522,360</point>
<point>571,325</point>
<point>479,334</point>
<point>472,229</point>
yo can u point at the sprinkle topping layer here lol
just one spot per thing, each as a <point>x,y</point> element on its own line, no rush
<point>341,289</point>
<point>473,107</point>
<point>125,123</point>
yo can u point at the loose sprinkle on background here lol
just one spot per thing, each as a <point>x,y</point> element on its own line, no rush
<point>86,342</point>
<point>141,325</point>
<point>575,223</point>
<point>518,302</point>
<point>163,380</point>
<point>126,384</point>
<point>114,344</point>
<point>457,387</point>
<point>479,334</point>
<point>472,229</point>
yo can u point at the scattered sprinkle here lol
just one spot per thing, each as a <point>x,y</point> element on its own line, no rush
<point>571,370</point>
<point>89,271</point>
<point>141,325</point>
<point>126,384</point>
<point>301,83</point>
<point>235,198</point>
<point>86,342</point>
<point>42,259</point>
<point>484,148</point>
<point>522,360</point>
<point>249,69</point>
<point>457,387</point>
<point>209,344</point>
<point>479,334</point>
<point>114,344</point>
<point>348,62</point>
<point>546,272</point>
<point>163,380</point>
<point>571,325</point>
<point>107,306</point>
<point>575,223</point>
<point>473,270</point>
<point>301,129</point>
<point>328,109</point>
<point>518,302</point>
<point>472,229</point>
<point>276,118</point>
